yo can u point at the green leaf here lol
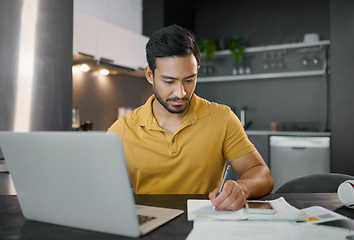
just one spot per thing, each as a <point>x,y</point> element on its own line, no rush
<point>208,48</point>
<point>235,45</point>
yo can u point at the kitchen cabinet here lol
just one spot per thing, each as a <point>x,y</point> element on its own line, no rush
<point>85,34</point>
<point>104,40</point>
<point>294,53</point>
<point>139,50</point>
<point>115,43</point>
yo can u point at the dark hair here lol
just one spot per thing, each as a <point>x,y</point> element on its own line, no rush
<point>171,41</point>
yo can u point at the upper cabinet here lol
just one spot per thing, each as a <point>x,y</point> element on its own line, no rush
<point>139,50</point>
<point>85,34</point>
<point>103,40</point>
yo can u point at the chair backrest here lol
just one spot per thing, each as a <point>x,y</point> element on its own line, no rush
<point>317,183</point>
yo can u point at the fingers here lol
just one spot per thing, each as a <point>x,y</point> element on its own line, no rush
<point>231,197</point>
<point>213,194</point>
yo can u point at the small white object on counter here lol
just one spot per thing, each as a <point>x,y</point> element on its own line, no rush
<point>311,37</point>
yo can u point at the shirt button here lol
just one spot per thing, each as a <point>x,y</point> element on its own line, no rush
<point>173,140</point>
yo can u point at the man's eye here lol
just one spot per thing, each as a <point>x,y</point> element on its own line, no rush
<point>168,82</point>
<point>190,80</point>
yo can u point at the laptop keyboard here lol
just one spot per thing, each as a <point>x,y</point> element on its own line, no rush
<point>144,219</point>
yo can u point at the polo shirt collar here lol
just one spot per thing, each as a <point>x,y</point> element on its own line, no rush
<point>196,110</point>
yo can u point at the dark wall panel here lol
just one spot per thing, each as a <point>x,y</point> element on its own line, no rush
<point>272,100</point>
<point>153,16</point>
<point>262,22</point>
<point>342,85</point>
<point>9,44</point>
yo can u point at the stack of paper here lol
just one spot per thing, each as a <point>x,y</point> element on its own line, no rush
<point>203,209</point>
<point>207,224</point>
<point>244,230</point>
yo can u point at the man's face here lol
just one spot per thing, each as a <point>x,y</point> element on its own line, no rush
<point>174,82</point>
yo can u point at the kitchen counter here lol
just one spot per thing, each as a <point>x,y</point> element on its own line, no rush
<point>286,133</point>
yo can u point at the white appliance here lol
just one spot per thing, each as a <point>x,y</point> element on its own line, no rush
<point>293,156</point>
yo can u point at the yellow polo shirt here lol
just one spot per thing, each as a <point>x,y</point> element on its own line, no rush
<point>189,162</point>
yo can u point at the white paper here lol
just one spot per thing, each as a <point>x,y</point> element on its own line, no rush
<point>245,230</point>
<point>319,214</point>
<point>272,230</point>
<point>320,232</point>
<point>199,210</point>
<point>203,209</point>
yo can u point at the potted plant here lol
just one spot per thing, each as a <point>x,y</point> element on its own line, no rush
<point>237,48</point>
<point>235,45</point>
<point>208,48</point>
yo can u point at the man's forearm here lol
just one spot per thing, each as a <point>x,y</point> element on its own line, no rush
<point>256,182</point>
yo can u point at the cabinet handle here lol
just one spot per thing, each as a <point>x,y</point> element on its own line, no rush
<point>298,148</point>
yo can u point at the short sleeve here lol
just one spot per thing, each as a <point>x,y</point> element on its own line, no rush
<point>236,142</point>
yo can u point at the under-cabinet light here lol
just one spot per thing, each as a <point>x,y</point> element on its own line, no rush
<point>104,72</point>
<point>75,69</point>
<point>84,68</point>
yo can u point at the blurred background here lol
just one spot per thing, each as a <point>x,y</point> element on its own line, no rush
<point>289,72</point>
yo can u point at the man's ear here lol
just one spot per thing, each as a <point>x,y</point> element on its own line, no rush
<point>149,75</point>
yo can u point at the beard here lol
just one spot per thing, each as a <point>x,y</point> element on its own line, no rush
<point>171,108</point>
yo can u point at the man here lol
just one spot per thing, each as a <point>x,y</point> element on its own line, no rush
<point>178,142</point>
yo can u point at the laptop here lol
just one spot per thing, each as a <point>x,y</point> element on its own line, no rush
<point>77,179</point>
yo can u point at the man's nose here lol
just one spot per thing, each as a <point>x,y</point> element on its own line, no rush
<point>180,91</point>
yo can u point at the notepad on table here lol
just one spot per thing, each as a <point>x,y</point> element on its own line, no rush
<point>203,209</point>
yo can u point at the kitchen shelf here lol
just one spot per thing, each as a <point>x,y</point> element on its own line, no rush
<point>277,47</point>
<point>262,76</point>
<point>302,48</point>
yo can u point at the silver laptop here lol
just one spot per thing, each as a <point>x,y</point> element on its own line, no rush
<point>77,179</point>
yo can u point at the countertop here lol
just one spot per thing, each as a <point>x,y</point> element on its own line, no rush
<point>287,133</point>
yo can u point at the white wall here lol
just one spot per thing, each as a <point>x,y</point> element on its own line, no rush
<point>127,14</point>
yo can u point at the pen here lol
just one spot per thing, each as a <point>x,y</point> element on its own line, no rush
<point>226,174</point>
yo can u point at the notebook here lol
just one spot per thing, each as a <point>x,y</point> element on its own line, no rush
<point>77,179</point>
